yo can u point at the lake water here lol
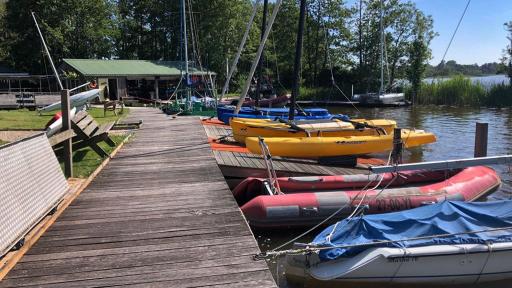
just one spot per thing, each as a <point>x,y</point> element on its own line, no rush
<point>454,128</point>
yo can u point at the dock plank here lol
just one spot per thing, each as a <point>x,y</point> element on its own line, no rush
<point>160,214</point>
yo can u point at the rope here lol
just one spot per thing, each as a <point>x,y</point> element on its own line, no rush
<point>166,151</point>
<point>356,210</point>
<point>316,249</point>
<point>337,211</point>
<point>489,248</point>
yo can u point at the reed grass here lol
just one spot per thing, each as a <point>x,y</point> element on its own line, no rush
<point>499,95</point>
<point>461,91</point>
<point>457,91</point>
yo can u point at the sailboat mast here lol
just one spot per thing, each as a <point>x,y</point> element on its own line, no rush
<point>298,56</point>
<point>47,52</point>
<point>381,91</point>
<point>260,64</point>
<point>185,48</point>
<point>231,71</point>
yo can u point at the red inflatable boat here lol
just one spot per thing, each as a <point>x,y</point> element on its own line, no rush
<point>301,208</point>
<point>252,187</point>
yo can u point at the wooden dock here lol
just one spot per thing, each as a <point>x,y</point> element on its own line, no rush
<point>159,215</point>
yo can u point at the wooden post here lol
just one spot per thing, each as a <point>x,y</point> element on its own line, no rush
<point>157,96</point>
<point>396,154</point>
<point>66,125</point>
<point>481,139</point>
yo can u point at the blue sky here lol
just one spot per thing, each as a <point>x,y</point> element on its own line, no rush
<point>481,36</point>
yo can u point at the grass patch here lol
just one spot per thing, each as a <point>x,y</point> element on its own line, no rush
<point>3,142</point>
<point>25,119</point>
<point>85,160</point>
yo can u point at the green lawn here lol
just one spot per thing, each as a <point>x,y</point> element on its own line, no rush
<point>25,119</point>
<point>3,142</point>
<point>85,160</point>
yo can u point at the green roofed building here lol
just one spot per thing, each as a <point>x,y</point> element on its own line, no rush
<point>136,78</point>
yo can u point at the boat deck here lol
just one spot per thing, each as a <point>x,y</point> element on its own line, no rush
<point>159,215</point>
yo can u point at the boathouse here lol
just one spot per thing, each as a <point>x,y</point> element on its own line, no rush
<point>144,79</point>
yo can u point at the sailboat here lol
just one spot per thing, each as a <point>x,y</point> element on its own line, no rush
<point>382,98</point>
<point>189,104</point>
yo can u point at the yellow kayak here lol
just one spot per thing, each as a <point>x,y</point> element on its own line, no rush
<point>315,147</point>
<point>243,128</point>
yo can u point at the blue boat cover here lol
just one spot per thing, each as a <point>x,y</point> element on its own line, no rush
<point>224,113</point>
<point>447,217</point>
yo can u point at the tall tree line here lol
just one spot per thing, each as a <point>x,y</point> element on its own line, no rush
<point>339,37</point>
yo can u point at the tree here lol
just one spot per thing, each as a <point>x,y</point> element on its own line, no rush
<point>399,29</point>
<point>508,27</point>
<point>74,29</point>
<point>148,29</point>
<point>419,53</point>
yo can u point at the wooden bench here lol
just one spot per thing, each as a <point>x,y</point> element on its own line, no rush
<point>85,133</point>
<point>112,106</point>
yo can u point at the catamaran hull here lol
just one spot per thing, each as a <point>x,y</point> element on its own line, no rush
<point>310,208</point>
<point>425,265</point>
<point>243,128</point>
<point>317,147</point>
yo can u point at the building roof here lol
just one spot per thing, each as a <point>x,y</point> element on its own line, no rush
<point>130,68</point>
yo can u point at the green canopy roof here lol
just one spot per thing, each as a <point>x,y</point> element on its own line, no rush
<point>130,68</point>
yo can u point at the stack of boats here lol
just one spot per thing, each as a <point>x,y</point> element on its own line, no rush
<point>436,237</point>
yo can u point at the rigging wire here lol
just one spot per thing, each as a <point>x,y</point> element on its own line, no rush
<point>278,77</point>
<point>455,31</point>
<point>329,59</point>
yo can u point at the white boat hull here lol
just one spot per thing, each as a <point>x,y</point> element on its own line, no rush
<point>78,100</point>
<point>57,125</point>
<point>382,99</point>
<point>428,265</point>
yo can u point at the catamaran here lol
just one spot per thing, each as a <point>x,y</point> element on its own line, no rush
<point>382,98</point>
